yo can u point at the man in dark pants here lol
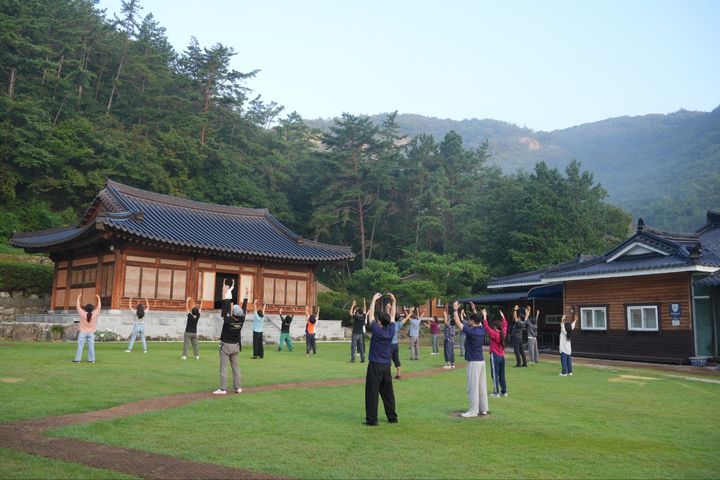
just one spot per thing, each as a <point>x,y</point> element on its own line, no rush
<point>358,334</point>
<point>379,378</point>
<point>516,336</point>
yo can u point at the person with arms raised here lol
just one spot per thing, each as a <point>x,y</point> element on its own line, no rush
<point>378,379</point>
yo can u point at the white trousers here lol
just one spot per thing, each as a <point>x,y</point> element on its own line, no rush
<point>477,387</point>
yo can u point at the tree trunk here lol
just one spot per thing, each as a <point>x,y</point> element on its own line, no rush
<point>11,86</point>
<point>62,58</point>
<point>57,115</point>
<point>361,219</point>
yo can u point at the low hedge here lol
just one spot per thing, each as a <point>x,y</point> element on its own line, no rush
<point>25,277</point>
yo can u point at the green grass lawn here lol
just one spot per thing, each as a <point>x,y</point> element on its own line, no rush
<point>600,423</point>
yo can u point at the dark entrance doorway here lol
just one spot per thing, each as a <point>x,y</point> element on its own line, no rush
<point>219,279</point>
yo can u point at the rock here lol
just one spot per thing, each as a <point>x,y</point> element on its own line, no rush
<point>34,297</point>
<point>25,331</point>
<point>4,295</point>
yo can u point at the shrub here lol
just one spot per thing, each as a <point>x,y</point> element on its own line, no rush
<point>25,277</point>
<point>107,336</point>
<point>335,306</point>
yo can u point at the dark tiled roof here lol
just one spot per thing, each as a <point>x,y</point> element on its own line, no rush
<point>667,251</point>
<point>204,227</point>
<point>491,298</point>
<point>711,281</point>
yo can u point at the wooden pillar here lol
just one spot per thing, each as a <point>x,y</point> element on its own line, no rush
<point>191,289</point>
<point>53,292</point>
<point>118,279</point>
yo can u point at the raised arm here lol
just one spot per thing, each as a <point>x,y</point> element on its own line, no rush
<point>371,311</point>
<point>352,308</point>
<point>147,305</point>
<point>99,304</point>
<point>130,305</point>
<point>445,317</point>
<point>187,305</point>
<point>456,315</point>
<point>393,309</point>
<point>504,324</point>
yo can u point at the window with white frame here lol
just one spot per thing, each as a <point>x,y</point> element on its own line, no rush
<point>593,318</point>
<point>642,318</point>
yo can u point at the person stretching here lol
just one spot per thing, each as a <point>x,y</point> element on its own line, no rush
<point>227,288</point>
<point>498,333</point>
<point>357,343</point>
<point>414,333</point>
<point>516,336</point>
<point>532,329</point>
<point>566,329</point>
<point>258,327</point>
<point>435,335</point>
<point>285,332</point>
<point>310,326</point>
<point>190,337</point>
<point>399,322</point>
<point>476,379</point>
<point>230,348</point>
<point>87,326</point>
<point>378,379</point>
<point>449,344</point>
<point>138,324</point>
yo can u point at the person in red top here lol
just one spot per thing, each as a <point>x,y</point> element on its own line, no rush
<point>435,334</point>
<point>497,332</point>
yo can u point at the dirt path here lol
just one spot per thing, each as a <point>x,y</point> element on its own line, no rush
<point>27,436</point>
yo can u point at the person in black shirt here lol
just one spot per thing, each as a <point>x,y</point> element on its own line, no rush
<point>358,337</point>
<point>285,332</point>
<point>230,346</point>
<point>516,336</point>
<point>193,315</point>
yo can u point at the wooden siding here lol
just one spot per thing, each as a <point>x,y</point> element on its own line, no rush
<point>672,344</point>
<point>620,292</point>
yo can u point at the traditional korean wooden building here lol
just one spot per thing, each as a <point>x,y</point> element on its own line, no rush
<point>652,298</point>
<point>135,243</point>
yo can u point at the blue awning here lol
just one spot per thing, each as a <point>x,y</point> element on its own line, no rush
<point>553,290</point>
<point>494,298</point>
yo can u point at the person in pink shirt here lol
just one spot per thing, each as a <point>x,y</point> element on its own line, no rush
<point>497,333</point>
<point>88,324</point>
<point>435,335</point>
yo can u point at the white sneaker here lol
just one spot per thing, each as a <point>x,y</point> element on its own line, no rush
<point>145,351</point>
<point>504,394</point>
<point>183,357</point>
<point>219,392</point>
<point>452,367</point>
<point>563,374</point>
<point>128,351</point>
<point>197,357</point>
<point>483,413</point>
<point>570,374</point>
<point>495,394</point>
<point>447,367</point>
<point>468,415</point>
<point>239,390</point>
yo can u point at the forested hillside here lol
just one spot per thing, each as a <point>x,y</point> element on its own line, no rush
<point>84,98</point>
<point>664,168</point>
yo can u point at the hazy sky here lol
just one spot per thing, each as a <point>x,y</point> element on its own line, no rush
<point>537,63</point>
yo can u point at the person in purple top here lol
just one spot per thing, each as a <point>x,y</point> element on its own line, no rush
<point>476,379</point>
<point>379,378</point>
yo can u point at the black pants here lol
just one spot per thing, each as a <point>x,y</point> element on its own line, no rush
<point>258,348</point>
<point>379,380</point>
<point>519,352</point>
<point>310,343</point>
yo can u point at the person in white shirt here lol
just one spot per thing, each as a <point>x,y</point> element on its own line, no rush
<point>566,329</point>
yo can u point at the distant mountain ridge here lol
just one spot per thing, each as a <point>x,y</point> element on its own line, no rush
<point>663,168</point>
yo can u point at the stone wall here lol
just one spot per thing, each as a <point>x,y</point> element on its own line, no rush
<point>17,303</point>
<point>159,325</point>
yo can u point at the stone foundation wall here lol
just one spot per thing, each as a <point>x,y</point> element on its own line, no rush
<point>158,326</point>
<point>16,303</point>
